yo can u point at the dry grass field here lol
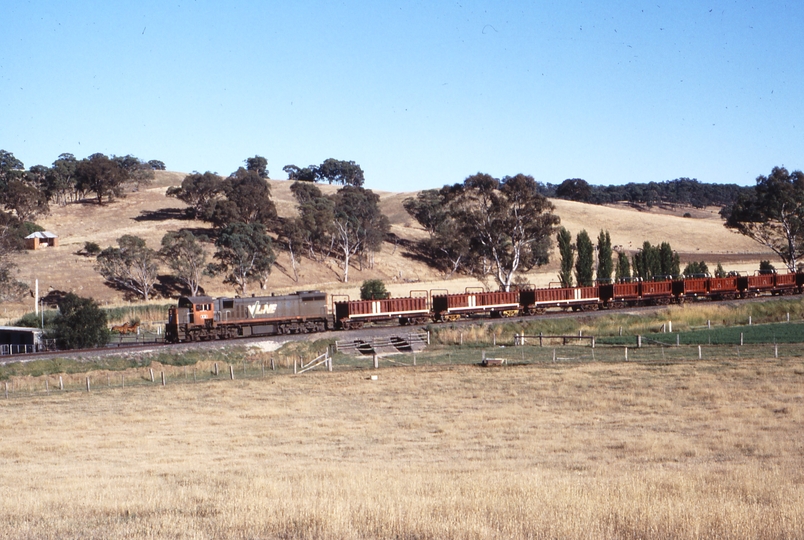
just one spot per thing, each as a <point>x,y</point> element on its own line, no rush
<point>693,450</point>
<point>149,214</point>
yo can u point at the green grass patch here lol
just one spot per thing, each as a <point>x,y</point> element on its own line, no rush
<point>37,368</point>
<point>729,335</point>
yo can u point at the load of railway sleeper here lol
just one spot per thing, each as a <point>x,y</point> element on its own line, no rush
<point>202,318</point>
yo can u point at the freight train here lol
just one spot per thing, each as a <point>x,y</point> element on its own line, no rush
<point>201,318</point>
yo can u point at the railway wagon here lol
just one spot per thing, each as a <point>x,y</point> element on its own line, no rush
<point>723,288</point>
<point>756,284</point>
<point>198,318</point>
<point>578,298</point>
<point>690,287</point>
<point>617,295</point>
<point>656,292</point>
<point>355,313</point>
<point>451,307</point>
<point>785,284</point>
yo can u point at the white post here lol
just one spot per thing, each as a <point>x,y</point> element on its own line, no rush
<point>699,352</point>
<point>626,354</point>
<point>775,351</point>
<point>669,327</point>
<point>741,339</point>
<point>163,378</point>
<point>61,383</point>
<point>708,324</point>
<point>554,355</point>
<point>36,297</point>
<point>749,320</point>
<point>231,372</point>
<point>678,340</point>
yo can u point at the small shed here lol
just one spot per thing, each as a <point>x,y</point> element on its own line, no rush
<point>20,340</point>
<point>41,239</point>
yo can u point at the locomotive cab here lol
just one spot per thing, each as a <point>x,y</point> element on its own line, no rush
<point>195,311</point>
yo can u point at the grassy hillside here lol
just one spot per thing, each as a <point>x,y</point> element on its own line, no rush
<point>149,214</point>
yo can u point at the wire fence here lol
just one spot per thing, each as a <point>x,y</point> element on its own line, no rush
<point>505,356</point>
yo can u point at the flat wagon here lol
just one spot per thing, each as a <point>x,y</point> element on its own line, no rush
<point>451,307</point>
<point>578,298</point>
<point>355,313</point>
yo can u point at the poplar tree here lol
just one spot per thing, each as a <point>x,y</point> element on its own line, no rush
<point>586,259</point>
<point>605,265</point>
<point>567,252</point>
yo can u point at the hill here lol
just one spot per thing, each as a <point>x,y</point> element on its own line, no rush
<point>149,213</point>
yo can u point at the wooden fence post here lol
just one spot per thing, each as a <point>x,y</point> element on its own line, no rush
<point>376,361</point>
<point>741,339</point>
<point>163,378</point>
<point>231,372</point>
<point>699,352</point>
<point>152,373</point>
<point>87,384</point>
<point>61,383</point>
<point>273,366</point>
<point>216,369</point>
<point>6,389</point>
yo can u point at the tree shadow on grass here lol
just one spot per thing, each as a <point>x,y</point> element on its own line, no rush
<point>163,214</point>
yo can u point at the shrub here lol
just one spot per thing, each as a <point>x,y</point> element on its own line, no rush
<point>91,249</point>
<point>373,289</point>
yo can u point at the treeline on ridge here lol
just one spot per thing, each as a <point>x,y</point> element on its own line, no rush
<point>681,191</point>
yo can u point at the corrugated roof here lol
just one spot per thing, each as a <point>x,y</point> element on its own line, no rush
<point>41,234</point>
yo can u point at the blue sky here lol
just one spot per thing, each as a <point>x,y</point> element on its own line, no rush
<point>420,94</point>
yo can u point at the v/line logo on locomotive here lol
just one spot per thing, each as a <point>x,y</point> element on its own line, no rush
<point>264,309</point>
